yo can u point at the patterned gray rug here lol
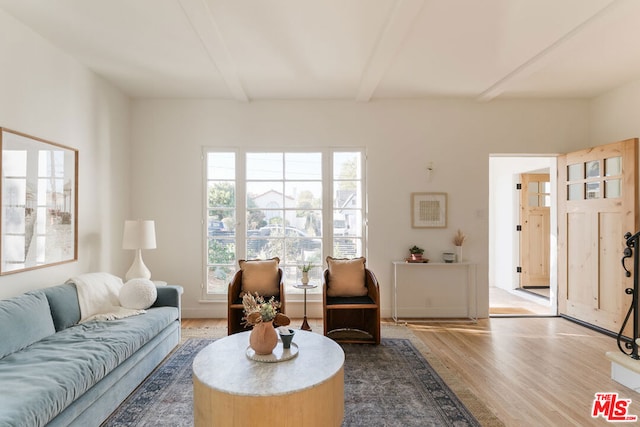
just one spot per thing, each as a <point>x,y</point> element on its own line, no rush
<point>386,385</point>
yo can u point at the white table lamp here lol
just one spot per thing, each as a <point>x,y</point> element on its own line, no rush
<point>138,235</point>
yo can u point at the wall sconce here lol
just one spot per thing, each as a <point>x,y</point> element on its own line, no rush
<point>138,235</point>
<point>429,171</point>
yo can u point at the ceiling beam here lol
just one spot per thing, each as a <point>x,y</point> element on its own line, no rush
<point>205,26</point>
<point>391,38</point>
<point>537,61</point>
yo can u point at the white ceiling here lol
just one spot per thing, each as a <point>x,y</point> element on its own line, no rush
<point>346,49</point>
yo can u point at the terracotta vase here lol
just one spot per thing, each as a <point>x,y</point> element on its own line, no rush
<point>263,338</point>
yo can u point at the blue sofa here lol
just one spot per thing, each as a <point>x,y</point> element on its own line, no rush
<point>56,372</point>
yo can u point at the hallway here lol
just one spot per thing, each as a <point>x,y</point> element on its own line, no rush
<point>518,303</point>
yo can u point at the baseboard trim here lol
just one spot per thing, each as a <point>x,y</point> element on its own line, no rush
<point>590,326</point>
<point>528,291</point>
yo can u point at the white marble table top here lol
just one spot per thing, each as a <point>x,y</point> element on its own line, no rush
<point>224,366</point>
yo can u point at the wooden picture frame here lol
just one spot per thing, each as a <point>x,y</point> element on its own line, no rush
<point>39,198</point>
<point>428,210</point>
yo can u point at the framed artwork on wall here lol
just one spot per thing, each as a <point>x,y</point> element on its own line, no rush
<point>39,195</point>
<point>429,210</point>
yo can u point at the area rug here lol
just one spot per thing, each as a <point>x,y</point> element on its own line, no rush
<point>386,385</point>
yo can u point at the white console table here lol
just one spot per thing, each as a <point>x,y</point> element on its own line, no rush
<point>429,291</point>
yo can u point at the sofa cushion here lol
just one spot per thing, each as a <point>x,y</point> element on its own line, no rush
<point>41,381</point>
<point>24,320</point>
<point>346,277</point>
<point>63,301</point>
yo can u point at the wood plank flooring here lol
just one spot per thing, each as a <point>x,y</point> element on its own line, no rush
<point>528,371</point>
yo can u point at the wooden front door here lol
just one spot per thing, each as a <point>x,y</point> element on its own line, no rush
<point>535,202</point>
<point>596,207</point>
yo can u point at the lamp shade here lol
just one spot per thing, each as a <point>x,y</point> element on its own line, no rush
<point>139,234</point>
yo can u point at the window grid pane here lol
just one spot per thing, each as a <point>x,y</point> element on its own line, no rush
<point>286,215</point>
<point>347,203</point>
<point>280,196</point>
<point>221,220</point>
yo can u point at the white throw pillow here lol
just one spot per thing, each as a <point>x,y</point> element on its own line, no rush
<point>138,294</point>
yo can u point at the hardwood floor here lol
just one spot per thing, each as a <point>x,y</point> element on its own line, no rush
<point>502,302</point>
<point>529,371</point>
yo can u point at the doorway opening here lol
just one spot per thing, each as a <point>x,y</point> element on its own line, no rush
<point>512,293</point>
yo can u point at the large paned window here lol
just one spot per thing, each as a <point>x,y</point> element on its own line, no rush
<point>299,206</point>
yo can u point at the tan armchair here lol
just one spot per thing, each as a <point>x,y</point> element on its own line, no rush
<point>264,278</point>
<point>351,316</point>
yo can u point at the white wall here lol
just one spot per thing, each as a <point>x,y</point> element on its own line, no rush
<point>615,116</point>
<point>47,94</point>
<point>401,138</point>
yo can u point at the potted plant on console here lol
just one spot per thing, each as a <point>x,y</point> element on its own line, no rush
<point>416,254</point>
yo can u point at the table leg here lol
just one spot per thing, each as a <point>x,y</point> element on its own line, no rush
<point>305,325</point>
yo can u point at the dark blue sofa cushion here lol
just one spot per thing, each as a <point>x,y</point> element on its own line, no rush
<point>65,308</point>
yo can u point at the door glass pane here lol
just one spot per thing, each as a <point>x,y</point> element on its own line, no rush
<point>593,190</point>
<point>546,201</point>
<point>593,169</point>
<point>574,192</point>
<point>574,172</point>
<point>612,189</point>
<point>533,187</point>
<point>533,201</point>
<point>613,166</point>
<point>545,187</point>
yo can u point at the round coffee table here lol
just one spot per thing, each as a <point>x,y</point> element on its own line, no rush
<point>229,389</point>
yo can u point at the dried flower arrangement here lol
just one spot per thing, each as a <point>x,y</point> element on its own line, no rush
<point>257,310</point>
<point>459,238</point>
<point>306,267</point>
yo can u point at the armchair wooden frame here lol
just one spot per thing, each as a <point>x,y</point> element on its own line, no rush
<point>352,320</point>
<point>235,309</point>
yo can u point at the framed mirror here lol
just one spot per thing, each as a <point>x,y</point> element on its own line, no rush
<point>39,193</point>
